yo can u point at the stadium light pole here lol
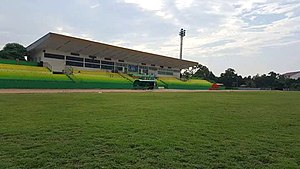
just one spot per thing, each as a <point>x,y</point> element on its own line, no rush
<point>181,34</point>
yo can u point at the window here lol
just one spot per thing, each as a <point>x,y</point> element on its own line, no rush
<point>153,65</point>
<point>144,64</point>
<point>107,67</point>
<point>70,63</point>
<point>165,73</point>
<point>169,73</point>
<point>132,68</point>
<point>143,67</point>
<point>152,68</point>
<point>121,64</point>
<point>75,58</point>
<point>107,58</point>
<point>120,68</point>
<point>92,61</point>
<point>75,54</point>
<point>162,66</point>
<point>121,60</point>
<point>92,65</point>
<point>107,63</point>
<point>54,56</point>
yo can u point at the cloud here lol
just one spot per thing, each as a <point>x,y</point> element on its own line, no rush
<point>215,29</point>
<point>153,5</point>
<point>182,4</point>
<point>95,6</point>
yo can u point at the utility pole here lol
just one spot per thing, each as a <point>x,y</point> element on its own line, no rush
<point>181,34</point>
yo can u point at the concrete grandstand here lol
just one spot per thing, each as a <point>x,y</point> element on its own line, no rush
<point>60,51</point>
<point>59,61</point>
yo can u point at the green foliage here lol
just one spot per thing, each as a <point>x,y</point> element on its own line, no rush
<point>13,51</point>
<point>150,130</point>
<point>186,74</point>
<point>202,72</point>
<point>230,79</point>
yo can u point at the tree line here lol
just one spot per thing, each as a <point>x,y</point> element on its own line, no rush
<point>231,80</point>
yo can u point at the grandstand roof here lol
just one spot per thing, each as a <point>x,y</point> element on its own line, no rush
<point>91,48</point>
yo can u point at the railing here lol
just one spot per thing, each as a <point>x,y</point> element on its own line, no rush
<point>47,65</point>
<point>125,77</point>
<point>166,85</point>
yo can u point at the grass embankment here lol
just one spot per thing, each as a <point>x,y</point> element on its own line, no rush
<point>150,130</point>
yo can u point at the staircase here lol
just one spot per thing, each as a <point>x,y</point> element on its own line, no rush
<point>125,77</point>
<point>165,84</point>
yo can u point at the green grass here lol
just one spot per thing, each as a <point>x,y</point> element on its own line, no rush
<point>150,130</point>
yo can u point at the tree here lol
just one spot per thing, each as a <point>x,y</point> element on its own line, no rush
<point>230,78</point>
<point>248,81</point>
<point>187,73</point>
<point>203,72</point>
<point>13,51</point>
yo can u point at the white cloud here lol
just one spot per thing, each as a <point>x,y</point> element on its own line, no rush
<point>95,6</point>
<point>70,31</point>
<point>182,4</point>
<point>153,5</point>
<point>164,15</point>
<point>63,30</point>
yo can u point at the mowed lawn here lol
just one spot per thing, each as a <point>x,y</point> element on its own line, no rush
<point>150,130</point>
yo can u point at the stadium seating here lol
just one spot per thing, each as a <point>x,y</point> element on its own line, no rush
<point>26,76</point>
<point>21,72</point>
<point>101,79</point>
<point>96,76</point>
<point>32,77</point>
<point>20,76</point>
<point>174,83</point>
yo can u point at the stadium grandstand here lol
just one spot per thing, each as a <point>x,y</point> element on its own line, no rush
<point>59,61</point>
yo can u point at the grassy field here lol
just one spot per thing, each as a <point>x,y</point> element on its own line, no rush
<point>150,130</point>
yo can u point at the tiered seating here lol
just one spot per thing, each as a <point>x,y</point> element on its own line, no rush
<point>34,77</point>
<point>101,79</point>
<point>21,72</point>
<point>126,76</point>
<point>174,83</point>
<point>96,76</point>
<point>21,76</point>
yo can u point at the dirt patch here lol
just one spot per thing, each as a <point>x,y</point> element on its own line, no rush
<point>107,91</point>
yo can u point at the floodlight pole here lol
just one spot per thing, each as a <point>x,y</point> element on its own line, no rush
<point>181,34</point>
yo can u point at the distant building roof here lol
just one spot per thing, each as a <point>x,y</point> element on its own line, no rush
<point>292,75</point>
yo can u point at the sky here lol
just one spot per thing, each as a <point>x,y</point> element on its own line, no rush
<point>250,36</point>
